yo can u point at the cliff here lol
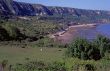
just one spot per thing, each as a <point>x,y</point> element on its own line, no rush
<point>27,9</point>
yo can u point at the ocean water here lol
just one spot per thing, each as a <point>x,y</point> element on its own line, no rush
<point>104,29</point>
<point>91,33</point>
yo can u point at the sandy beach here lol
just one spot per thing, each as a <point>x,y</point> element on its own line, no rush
<point>69,33</point>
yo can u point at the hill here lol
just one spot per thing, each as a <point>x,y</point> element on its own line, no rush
<point>27,9</point>
<point>34,21</point>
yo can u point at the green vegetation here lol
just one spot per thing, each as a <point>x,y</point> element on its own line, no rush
<point>25,46</point>
<point>16,54</point>
<point>29,30</point>
<point>74,64</point>
<point>3,34</point>
<point>83,55</point>
<point>78,18</point>
<point>84,49</point>
<point>40,66</point>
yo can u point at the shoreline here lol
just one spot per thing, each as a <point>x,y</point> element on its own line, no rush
<point>74,26</point>
<point>67,35</point>
<point>83,25</point>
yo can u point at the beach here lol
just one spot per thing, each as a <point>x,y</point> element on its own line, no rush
<point>69,33</point>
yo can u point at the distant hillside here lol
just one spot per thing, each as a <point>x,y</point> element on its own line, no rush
<point>6,7</point>
<point>20,8</point>
<point>9,7</point>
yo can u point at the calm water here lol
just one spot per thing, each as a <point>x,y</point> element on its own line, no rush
<point>91,33</point>
<point>104,29</point>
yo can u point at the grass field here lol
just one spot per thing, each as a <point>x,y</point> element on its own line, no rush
<point>23,55</point>
<point>20,55</point>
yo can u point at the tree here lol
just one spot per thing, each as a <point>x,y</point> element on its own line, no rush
<point>84,49</point>
<point>102,43</point>
<point>80,48</point>
<point>3,34</point>
<point>13,32</point>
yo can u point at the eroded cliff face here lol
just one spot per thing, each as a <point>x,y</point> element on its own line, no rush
<point>27,9</point>
<point>6,7</point>
<point>19,8</point>
<point>30,9</point>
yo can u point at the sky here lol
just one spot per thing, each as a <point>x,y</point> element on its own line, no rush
<point>82,4</point>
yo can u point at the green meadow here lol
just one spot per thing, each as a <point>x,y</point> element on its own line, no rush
<point>20,55</point>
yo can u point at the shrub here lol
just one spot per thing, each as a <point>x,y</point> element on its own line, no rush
<point>103,44</point>
<point>40,66</point>
<point>3,34</point>
<point>84,49</point>
<point>4,63</point>
<point>84,67</point>
<point>80,48</point>
<point>14,32</point>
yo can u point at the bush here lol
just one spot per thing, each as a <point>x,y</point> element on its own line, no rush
<point>13,32</point>
<point>3,34</point>
<point>84,67</point>
<point>40,66</point>
<point>84,49</point>
<point>103,44</point>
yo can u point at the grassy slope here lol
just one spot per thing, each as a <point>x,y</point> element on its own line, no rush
<point>19,55</point>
